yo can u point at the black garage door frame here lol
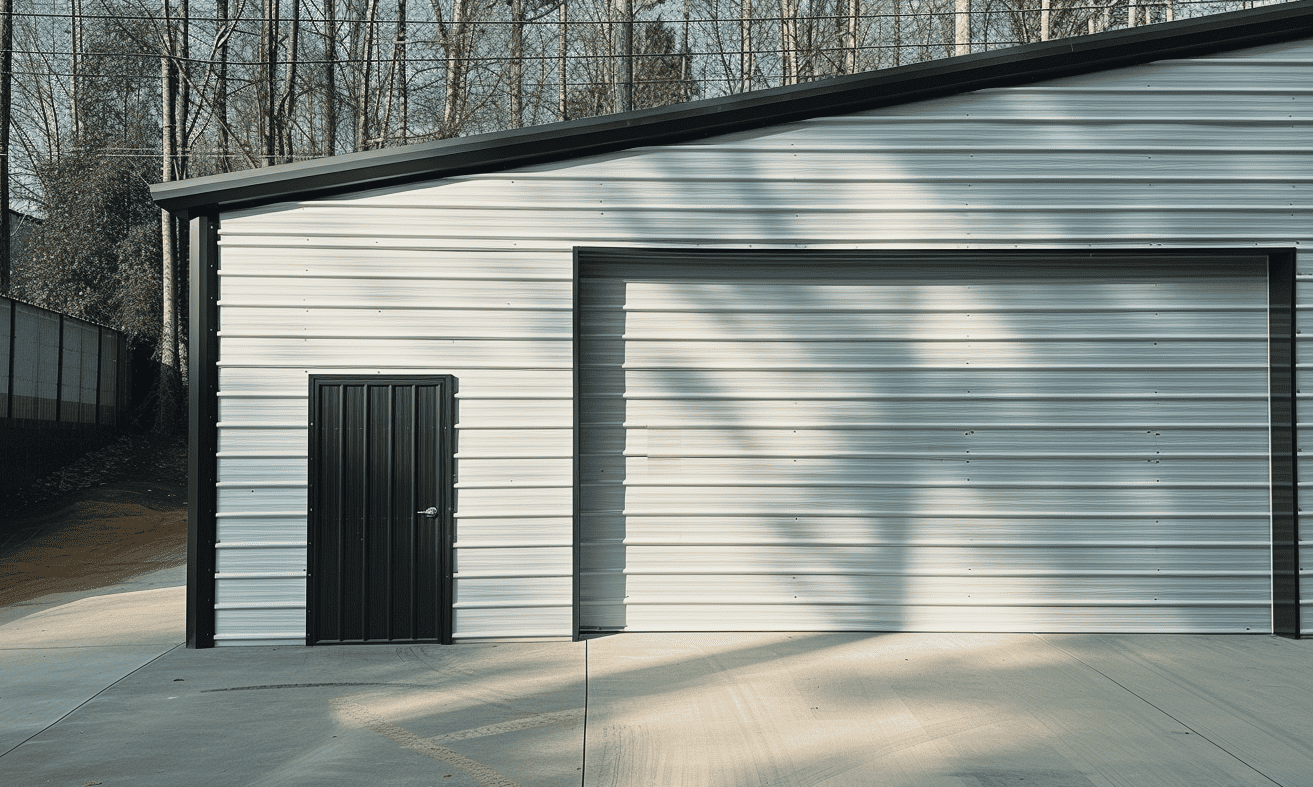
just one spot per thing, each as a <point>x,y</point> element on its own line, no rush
<point>593,261</point>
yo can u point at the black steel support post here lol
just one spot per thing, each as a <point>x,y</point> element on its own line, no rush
<point>576,553</point>
<point>202,424</point>
<point>1285,445</point>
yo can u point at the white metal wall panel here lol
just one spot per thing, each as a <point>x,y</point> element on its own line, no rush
<point>1182,153</point>
<point>499,321</point>
<point>715,516</point>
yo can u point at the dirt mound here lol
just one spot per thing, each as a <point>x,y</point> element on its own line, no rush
<point>115,513</point>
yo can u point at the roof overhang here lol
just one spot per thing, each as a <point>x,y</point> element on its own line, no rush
<point>757,109</point>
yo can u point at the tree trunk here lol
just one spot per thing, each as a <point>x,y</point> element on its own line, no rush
<point>456,70</point>
<point>746,46</point>
<point>625,50</point>
<point>363,126</point>
<point>75,70</point>
<point>182,101</point>
<point>563,91</point>
<point>330,79</point>
<point>6,92</point>
<point>853,46</point>
<point>898,32</point>
<point>686,57</point>
<point>962,27</point>
<point>516,66</point>
<point>181,169</point>
<point>403,84</point>
<point>788,42</point>
<point>221,87</point>
<point>269,63</point>
<point>287,104</point>
<point>1045,6</point>
<point>167,406</point>
<point>390,97</point>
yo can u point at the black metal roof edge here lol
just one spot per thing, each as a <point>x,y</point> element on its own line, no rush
<point>740,112</point>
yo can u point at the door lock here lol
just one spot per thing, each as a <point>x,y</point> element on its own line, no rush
<point>431,512</point>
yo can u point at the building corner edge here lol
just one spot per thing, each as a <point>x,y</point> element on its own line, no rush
<point>202,426</point>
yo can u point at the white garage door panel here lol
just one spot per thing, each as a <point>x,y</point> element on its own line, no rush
<point>959,289</point>
<point>784,355</point>
<point>1049,440</point>
<point>948,325</point>
<point>898,560</point>
<point>1151,412</point>
<point>923,499</point>
<point>914,617</point>
<point>864,443</point>
<point>857,469</point>
<point>751,384</point>
<point>1179,528</point>
<point>962,589</point>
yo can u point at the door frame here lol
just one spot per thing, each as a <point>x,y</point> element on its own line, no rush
<point>446,467</point>
<point>591,262</point>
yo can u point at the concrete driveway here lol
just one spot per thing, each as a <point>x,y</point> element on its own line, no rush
<point>96,690</point>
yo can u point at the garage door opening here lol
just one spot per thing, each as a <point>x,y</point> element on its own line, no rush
<point>976,441</point>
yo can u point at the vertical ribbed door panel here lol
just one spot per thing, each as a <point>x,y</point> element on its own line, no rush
<point>379,569</point>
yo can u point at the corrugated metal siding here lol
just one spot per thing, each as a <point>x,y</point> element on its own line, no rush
<point>35,363</point>
<point>1202,152</point>
<point>883,444</point>
<point>286,313</point>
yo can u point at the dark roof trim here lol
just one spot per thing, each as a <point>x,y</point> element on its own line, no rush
<point>698,119</point>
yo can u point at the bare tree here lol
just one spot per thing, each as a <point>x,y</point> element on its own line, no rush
<point>962,27</point>
<point>660,68</point>
<point>168,347</point>
<point>563,86</point>
<point>223,32</point>
<point>515,64</point>
<point>364,85</point>
<point>6,95</point>
<point>745,46</point>
<point>74,67</point>
<point>286,106</point>
<point>398,91</point>
<point>458,36</point>
<point>269,82</point>
<point>329,142</point>
<point>181,52</point>
<point>789,41</point>
<point>852,43</point>
<point>624,55</point>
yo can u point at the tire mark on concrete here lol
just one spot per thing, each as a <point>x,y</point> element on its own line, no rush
<point>321,685</point>
<point>537,720</point>
<point>358,715</point>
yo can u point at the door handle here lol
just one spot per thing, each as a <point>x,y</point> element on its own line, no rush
<point>431,512</point>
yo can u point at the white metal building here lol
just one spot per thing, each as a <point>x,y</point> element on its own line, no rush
<point>1004,342</point>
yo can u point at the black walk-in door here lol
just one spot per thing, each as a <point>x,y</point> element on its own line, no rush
<point>380,503</point>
